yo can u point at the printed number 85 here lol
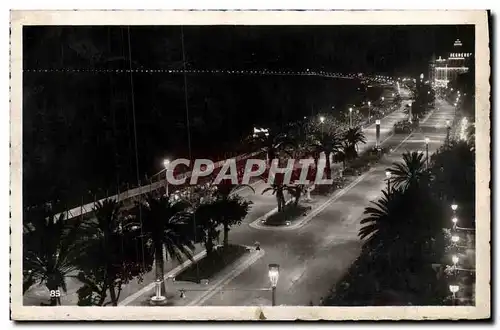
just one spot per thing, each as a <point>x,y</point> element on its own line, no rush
<point>55,293</point>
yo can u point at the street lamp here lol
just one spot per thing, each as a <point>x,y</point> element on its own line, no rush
<point>369,108</point>
<point>455,239</point>
<point>454,207</point>
<point>166,163</point>
<point>388,176</point>
<point>454,289</point>
<point>274,274</point>
<point>350,117</point>
<point>427,151</point>
<point>383,98</point>
<point>322,120</point>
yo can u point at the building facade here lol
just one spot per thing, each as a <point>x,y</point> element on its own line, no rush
<point>445,69</point>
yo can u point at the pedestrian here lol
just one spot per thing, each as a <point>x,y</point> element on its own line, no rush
<point>311,303</point>
<point>321,301</point>
<point>257,246</point>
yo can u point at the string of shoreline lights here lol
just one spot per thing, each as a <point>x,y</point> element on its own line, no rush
<point>306,72</point>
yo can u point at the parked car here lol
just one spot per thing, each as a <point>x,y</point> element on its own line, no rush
<point>405,126</point>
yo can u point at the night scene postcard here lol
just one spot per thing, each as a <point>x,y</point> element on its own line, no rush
<point>250,165</point>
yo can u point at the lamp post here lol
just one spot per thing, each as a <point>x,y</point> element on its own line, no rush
<point>377,133</point>
<point>369,112</point>
<point>321,120</point>
<point>454,259</point>
<point>454,289</point>
<point>274,273</point>
<point>388,178</point>
<point>454,208</point>
<point>350,117</point>
<point>410,112</point>
<point>166,162</point>
<point>427,152</point>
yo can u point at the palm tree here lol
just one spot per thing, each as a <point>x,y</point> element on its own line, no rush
<point>344,153</point>
<point>208,216</point>
<point>225,189</point>
<point>296,191</point>
<point>104,236</point>
<point>233,208</point>
<point>165,223</point>
<point>273,142</point>
<point>50,251</point>
<point>277,189</point>
<point>353,136</point>
<point>329,143</point>
<point>411,171</point>
<point>226,212</point>
<point>403,224</point>
<point>382,219</point>
<point>301,135</point>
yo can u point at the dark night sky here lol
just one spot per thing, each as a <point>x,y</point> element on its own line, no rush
<point>344,48</point>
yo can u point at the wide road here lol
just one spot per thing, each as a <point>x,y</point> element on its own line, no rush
<point>314,257</point>
<point>262,204</point>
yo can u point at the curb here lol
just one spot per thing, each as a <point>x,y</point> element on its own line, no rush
<point>256,224</point>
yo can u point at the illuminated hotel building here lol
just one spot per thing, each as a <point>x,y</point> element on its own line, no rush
<point>444,70</point>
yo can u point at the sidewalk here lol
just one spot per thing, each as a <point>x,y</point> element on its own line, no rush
<point>193,293</point>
